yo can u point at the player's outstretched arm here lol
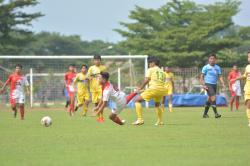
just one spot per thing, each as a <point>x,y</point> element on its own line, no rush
<point>145,82</point>
<point>101,108</point>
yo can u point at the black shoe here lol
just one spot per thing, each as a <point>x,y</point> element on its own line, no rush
<point>67,104</point>
<point>217,115</point>
<point>205,116</point>
<point>76,108</point>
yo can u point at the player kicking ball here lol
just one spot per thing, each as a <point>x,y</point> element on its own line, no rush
<point>17,81</point>
<point>155,78</point>
<point>118,97</point>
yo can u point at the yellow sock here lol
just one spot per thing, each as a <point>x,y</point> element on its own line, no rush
<point>162,107</point>
<point>170,106</point>
<point>138,109</point>
<point>248,115</point>
<point>85,110</point>
<point>159,114</point>
<point>101,115</point>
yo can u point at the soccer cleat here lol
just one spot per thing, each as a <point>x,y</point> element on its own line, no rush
<point>205,116</point>
<point>76,109</point>
<point>138,122</point>
<point>123,122</point>
<point>159,123</point>
<point>217,115</point>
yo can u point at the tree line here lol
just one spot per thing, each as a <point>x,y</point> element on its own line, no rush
<point>180,33</point>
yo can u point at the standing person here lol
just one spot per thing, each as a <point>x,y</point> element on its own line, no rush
<point>246,76</point>
<point>155,78</point>
<point>234,87</point>
<point>95,87</point>
<point>68,80</point>
<point>169,83</point>
<point>118,97</point>
<point>82,89</point>
<point>209,77</point>
<point>17,81</point>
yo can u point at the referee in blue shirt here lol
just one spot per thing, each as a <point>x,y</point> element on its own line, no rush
<point>209,78</point>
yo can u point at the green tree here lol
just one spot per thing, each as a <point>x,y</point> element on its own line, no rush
<point>181,33</point>
<point>13,20</point>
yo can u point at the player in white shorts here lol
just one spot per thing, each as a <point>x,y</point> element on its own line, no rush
<point>118,97</point>
<point>17,81</point>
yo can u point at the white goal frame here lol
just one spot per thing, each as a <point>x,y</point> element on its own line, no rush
<point>129,57</point>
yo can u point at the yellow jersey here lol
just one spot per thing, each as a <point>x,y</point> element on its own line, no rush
<point>157,78</point>
<point>94,73</point>
<point>247,76</point>
<point>82,83</point>
<point>169,78</point>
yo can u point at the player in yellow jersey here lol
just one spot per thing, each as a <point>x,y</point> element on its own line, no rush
<point>83,95</point>
<point>169,82</point>
<point>95,88</point>
<point>246,76</point>
<point>155,79</point>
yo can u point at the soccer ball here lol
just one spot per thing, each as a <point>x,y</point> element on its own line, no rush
<point>46,121</point>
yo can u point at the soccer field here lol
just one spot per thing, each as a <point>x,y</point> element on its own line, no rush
<point>186,139</point>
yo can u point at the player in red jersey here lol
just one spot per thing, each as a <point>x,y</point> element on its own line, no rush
<point>234,87</point>
<point>109,92</point>
<point>69,84</point>
<point>17,82</point>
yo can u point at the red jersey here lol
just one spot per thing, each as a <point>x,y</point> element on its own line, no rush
<point>17,82</point>
<point>69,78</point>
<point>233,75</point>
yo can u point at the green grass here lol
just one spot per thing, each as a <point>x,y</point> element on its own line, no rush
<point>186,139</point>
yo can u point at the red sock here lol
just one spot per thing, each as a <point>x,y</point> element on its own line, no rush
<point>117,120</point>
<point>72,107</point>
<point>130,97</point>
<point>22,112</point>
<point>237,105</point>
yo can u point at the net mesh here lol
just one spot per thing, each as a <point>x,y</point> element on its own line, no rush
<point>48,75</point>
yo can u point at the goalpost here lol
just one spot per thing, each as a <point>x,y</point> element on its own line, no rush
<point>124,70</point>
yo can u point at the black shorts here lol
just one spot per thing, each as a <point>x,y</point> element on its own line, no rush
<point>211,89</point>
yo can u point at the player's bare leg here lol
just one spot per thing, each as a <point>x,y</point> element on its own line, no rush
<point>21,107</point>
<point>232,103</point>
<point>14,109</point>
<point>138,109</point>
<point>116,119</point>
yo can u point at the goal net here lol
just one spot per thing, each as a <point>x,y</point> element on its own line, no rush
<point>46,74</point>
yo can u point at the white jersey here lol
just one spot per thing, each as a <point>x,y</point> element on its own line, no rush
<point>118,97</point>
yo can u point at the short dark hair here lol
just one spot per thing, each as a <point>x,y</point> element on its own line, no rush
<point>97,57</point>
<point>73,65</point>
<point>153,59</point>
<point>212,55</point>
<point>235,65</point>
<point>84,66</point>
<point>105,75</point>
<point>19,65</point>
